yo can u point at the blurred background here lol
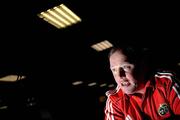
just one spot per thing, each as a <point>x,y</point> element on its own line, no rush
<point>52,73</point>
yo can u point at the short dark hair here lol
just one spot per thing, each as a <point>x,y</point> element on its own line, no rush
<point>133,53</point>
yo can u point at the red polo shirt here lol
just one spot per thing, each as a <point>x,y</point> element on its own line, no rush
<point>160,101</point>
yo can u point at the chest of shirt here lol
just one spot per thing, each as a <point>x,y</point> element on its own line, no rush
<point>154,106</point>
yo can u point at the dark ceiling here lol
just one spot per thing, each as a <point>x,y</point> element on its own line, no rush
<point>31,43</point>
<point>54,58</point>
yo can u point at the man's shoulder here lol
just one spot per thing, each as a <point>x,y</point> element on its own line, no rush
<point>164,77</point>
<point>167,79</point>
<point>164,74</point>
<point>114,94</point>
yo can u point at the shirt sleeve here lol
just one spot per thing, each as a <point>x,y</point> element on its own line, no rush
<point>112,112</point>
<point>174,95</point>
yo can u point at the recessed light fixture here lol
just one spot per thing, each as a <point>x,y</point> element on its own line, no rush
<point>92,84</point>
<point>60,16</point>
<point>102,45</point>
<point>12,78</point>
<point>77,82</point>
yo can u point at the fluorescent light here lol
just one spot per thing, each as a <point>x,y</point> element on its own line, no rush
<point>96,47</point>
<point>60,16</point>
<point>77,82</point>
<point>107,43</point>
<point>102,45</point>
<point>103,85</point>
<point>56,15</point>
<point>51,19</point>
<point>74,16</point>
<point>111,85</point>
<point>11,78</point>
<point>92,84</point>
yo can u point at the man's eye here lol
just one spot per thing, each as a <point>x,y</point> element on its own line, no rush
<point>113,70</point>
<point>127,67</point>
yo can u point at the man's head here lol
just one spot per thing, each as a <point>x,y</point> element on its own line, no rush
<point>129,67</point>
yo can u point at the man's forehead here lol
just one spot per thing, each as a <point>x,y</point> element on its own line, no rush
<point>119,65</point>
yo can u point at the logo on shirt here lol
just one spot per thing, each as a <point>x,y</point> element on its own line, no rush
<point>163,109</point>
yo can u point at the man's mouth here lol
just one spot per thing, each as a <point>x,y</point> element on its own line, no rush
<point>125,83</point>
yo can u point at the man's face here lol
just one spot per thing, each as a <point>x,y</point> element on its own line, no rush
<point>123,72</point>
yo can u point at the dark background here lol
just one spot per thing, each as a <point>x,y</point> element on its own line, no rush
<point>52,58</point>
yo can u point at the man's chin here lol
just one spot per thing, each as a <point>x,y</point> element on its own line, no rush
<point>128,91</point>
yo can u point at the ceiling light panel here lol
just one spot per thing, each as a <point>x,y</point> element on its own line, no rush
<point>60,16</point>
<point>102,45</point>
<point>12,78</point>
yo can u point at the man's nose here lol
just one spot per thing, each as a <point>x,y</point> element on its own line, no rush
<point>122,72</point>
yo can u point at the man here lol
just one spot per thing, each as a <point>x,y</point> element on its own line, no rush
<point>140,94</point>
